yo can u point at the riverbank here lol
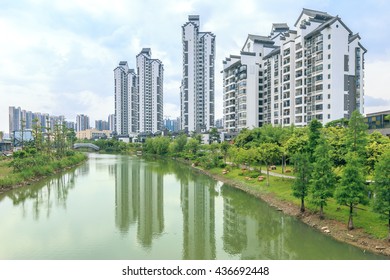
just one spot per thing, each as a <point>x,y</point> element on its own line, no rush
<point>336,229</point>
<point>14,180</point>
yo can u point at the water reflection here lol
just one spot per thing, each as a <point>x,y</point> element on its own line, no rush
<point>43,195</point>
<point>119,207</point>
<point>198,207</point>
<point>136,204</point>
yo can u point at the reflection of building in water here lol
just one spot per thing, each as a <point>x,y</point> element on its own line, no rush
<point>151,216</point>
<point>253,237</point>
<point>197,201</point>
<point>139,198</point>
<point>234,237</point>
<point>127,184</point>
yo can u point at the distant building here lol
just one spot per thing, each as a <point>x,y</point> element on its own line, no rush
<point>219,123</point>
<point>377,122</point>
<point>111,122</point>
<point>172,125</point>
<point>101,125</point>
<point>82,122</point>
<point>15,117</point>
<point>197,86</point>
<point>93,134</point>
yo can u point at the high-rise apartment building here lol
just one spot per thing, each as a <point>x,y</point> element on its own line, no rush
<point>315,71</point>
<point>15,117</point>
<point>150,92</point>
<point>111,122</point>
<point>197,87</point>
<point>101,125</point>
<point>139,96</point>
<point>82,122</point>
<point>126,100</point>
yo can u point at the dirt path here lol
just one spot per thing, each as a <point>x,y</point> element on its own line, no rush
<point>336,229</point>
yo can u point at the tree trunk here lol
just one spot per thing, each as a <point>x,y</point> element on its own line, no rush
<point>302,204</point>
<point>321,212</point>
<point>388,238</point>
<point>283,163</point>
<point>350,221</point>
<point>267,176</point>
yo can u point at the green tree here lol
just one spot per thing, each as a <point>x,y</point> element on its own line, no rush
<point>181,142</point>
<point>214,135</point>
<point>225,150</point>
<point>297,142</point>
<point>382,187</point>
<point>192,146</point>
<point>356,136</point>
<point>300,186</point>
<point>322,180</point>
<point>351,189</point>
<point>336,137</point>
<point>314,135</point>
<point>1,135</point>
<point>376,146</point>
<point>269,153</point>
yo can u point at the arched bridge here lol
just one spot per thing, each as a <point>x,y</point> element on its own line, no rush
<point>86,145</point>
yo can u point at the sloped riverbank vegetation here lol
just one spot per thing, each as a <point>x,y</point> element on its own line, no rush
<point>47,154</point>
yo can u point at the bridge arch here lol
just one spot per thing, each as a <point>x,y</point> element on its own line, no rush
<point>86,145</point>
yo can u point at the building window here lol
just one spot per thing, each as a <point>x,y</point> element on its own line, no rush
<point>328,116</point>
<point>328,96</point>
<point>329,36</point>
<point>328,86</point>
<point>328,66</point>
<point>328,106</point>
<point>328,76</point>
<point>328,56</point>
<point>329,47</point>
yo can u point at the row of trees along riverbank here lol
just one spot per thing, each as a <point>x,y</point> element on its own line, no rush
<point>331,165</point>
<point>46,154</point>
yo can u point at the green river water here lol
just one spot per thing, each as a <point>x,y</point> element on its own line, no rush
<point>122,207</point>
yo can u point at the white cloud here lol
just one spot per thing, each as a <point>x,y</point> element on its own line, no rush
<point>55,53</point>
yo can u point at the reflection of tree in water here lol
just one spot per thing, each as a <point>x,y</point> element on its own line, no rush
<point>251,228</point>
<point>43,195</point>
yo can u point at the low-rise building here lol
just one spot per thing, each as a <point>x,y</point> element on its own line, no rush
<point>93,134</point>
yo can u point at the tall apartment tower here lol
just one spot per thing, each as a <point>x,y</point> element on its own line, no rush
<point>111,122</point>
<point>82,122</point>
<point>315,71</point>
<point>150,92</point>
<point>197,87</point>
<point>126,100</point>
<point>15,117</point>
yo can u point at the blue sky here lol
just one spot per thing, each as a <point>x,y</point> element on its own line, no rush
<point>58,57</point>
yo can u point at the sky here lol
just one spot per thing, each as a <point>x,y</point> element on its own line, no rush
<point>58,57</point>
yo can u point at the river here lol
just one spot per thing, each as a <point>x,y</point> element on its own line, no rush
<point>123,207</point>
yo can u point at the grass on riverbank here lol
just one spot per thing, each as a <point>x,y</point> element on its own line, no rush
<point>9,178</point>
<point>281,188</point>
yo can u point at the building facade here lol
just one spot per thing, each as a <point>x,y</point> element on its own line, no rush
<point>197,87</point>
<point>315,71</point>
<point>151,92</point>
<point>126,100</point>
<point>82,122</point>
<point>139,96</point>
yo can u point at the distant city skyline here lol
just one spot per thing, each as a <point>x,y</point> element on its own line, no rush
<point>57,57</point>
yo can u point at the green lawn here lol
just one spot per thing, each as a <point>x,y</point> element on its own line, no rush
<point>4,168</point>
<point>364,217</point>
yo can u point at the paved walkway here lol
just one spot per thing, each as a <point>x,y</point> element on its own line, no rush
<point>265,172</point>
